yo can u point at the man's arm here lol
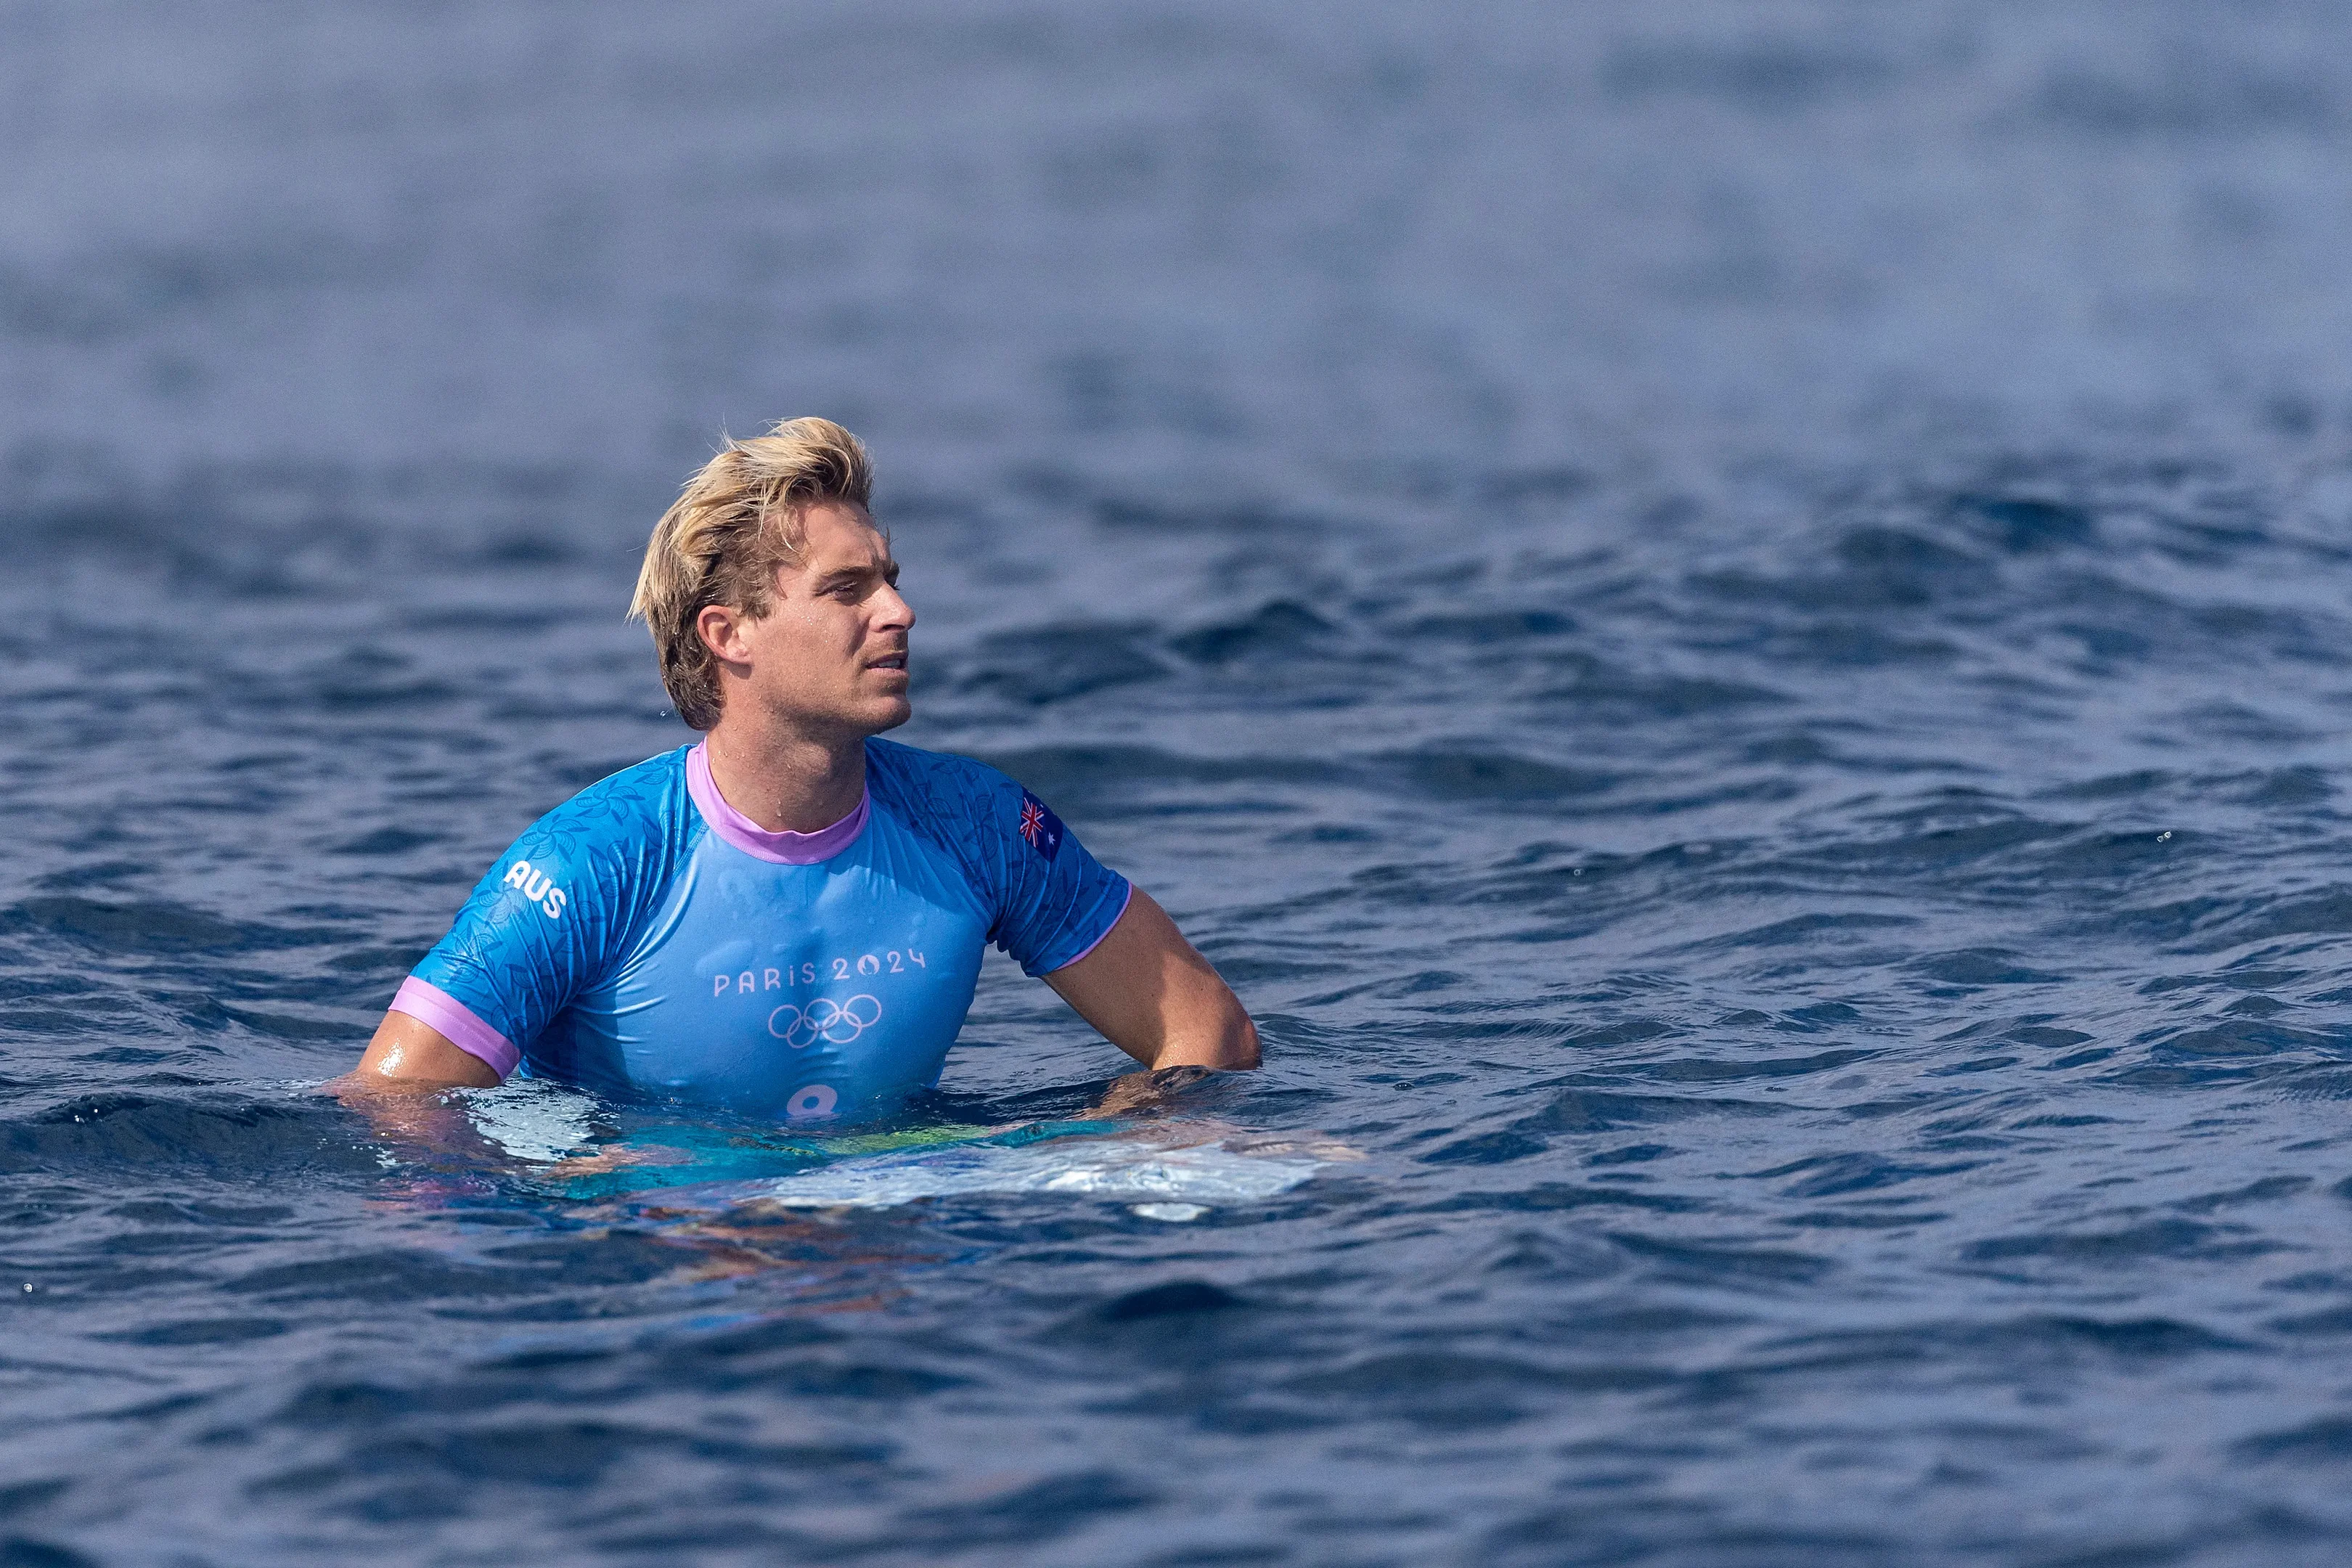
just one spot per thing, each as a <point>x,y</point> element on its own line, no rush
<point>1150,993</point>
<point>395,1085</point>
<point>409,1055</point>
<point>409,1060</point>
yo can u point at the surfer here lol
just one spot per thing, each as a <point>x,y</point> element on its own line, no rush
<point>787,917</point>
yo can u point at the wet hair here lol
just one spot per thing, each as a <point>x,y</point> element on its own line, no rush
<point>736,523</point>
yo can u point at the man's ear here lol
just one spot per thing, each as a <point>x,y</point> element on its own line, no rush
<point>720,627</point>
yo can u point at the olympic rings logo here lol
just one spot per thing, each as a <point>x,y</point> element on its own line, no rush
<point>836,1023</point>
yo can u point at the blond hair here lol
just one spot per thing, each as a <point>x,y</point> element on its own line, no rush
<point>721,542</point>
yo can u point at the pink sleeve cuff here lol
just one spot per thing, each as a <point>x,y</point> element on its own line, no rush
<point>1106,930</point>
<point>429,1005</point>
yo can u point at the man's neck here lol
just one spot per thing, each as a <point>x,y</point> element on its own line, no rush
<point>785,782</point>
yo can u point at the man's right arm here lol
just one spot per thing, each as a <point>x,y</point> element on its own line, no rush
<point>538,925</point>
<point>534,927</point>
<point>409,1055</point>
<point>395,1085</point>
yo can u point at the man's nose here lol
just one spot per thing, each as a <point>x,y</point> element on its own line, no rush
<point>891,609</point>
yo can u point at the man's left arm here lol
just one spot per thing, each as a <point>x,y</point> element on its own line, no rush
<point>1150,994</point>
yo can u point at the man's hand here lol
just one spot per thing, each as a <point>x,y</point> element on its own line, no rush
<point>1139,1092</point>
<point>1154,997</point>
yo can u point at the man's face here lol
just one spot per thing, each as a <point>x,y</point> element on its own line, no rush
<point>831,653</point>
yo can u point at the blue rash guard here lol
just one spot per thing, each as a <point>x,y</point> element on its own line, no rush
<point>644,939</point>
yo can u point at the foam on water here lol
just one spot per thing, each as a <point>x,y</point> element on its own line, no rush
<point>535,1121</point>
<point>1113,1168</point>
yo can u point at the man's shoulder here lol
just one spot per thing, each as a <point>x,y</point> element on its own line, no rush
<point>622,810</point>
<point>588,866</point>
<point>959,801</point>
<point>978,812</point>
<point>943,776</point>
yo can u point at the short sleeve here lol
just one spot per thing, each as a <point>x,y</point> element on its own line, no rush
<point>547,922</point>
<point>1054,902</point>
<point>522,947</point>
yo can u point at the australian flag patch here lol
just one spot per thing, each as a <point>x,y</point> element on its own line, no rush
<point>1040,826</point>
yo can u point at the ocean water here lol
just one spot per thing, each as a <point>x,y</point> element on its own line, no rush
<point>1733,621</point>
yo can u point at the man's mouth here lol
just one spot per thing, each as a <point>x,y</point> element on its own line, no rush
<point>889,661</point>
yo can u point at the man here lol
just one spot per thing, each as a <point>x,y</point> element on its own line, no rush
<point>786,918</point>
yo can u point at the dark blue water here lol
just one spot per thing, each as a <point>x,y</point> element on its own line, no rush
<point>1735,622</point>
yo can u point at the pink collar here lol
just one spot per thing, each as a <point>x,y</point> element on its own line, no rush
<point>780,848</point>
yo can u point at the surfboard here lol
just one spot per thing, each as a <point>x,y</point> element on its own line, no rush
<point>1172,1170</point>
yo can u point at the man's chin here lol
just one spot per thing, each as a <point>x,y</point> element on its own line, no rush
<point>869,717</point>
